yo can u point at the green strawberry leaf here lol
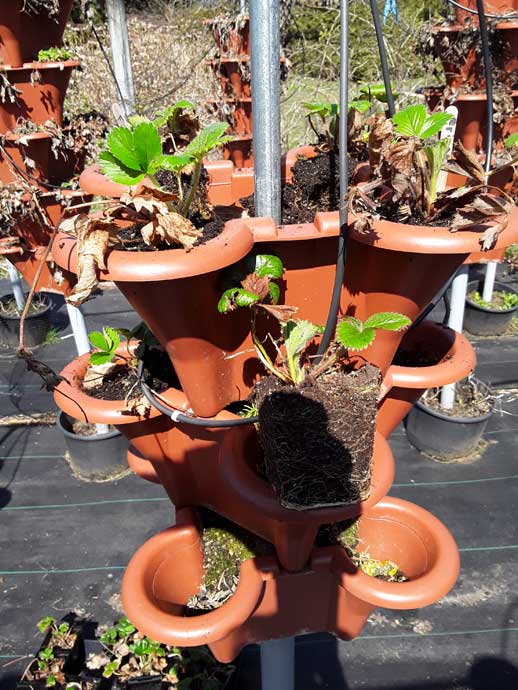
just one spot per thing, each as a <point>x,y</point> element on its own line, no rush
<point>325,110</point>
<point>268,266</point>
<point>112,337</point>
<point>116,171</point>
<point>275,292</point>
<point>174,163</point>
<point>236,297</point>
<point>147,144</point>
<point>208,139</point>
<point>360,105</point>
<point>122,146</point>
<point>100,358</point>
<point>98,340</point>
<point>299,335</point>
<point>387,321</point>
<point>414,121</point>
<point>511,141</point>
<point>352,338</point>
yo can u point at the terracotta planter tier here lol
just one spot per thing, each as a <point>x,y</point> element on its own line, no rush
<point>336,597</point>
<point>142,467</point>
<point>240,151</point>
<point>456,359</point>
<point>234,40</point>
<point>217,468</point>
<point>491,7</point>
<point>486,257</point>
<point>457,75</point>
<point>229,72</point>
<point>23,34</point>
<point>37,147</point>
<point>42,87</point>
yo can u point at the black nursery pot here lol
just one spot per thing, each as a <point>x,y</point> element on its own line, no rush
<point>94,457</point>
<point>442,436</point>
<point>484,321</point>
<point>37,326</point>
<point>142,683</point>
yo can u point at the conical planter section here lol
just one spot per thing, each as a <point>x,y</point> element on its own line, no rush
<point>24,33</point>
<point>454,357</point>
<point>331,594</point>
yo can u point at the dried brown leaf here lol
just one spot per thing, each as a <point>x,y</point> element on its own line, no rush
<point>95,374</point>
<point>483,210</point>
<point>146,196</point>
<point>282,312</point>
<point>466,162</point>
<point>379,138</point>
<point>171,228</point>
<point>259,286</point>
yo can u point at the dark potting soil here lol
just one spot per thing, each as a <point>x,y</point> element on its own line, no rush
<point>418,357</point>
<point>158,373</point>
<point>131,238</point>
<point>225,547</point>
<point>318,437</point>
<point>470,401</point>
<point>315,187</point>
<point>346,534</point>
<point>393,212</point>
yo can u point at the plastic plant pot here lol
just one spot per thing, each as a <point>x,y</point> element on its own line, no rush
<point>96,457</point>
<point>35,146</point>
<point>442,436</point>
<point>232,35</point>
<point>142,467</point>
<point>337,598</point>
<point>216,468</point>
<point>457,75</point>
<point>481,320</point>
<point>498,7</point>
<point>240,151</point>
<point>455,360</point>
<point>37,99</point>
<point>23,34</point>
<point>36,330</point>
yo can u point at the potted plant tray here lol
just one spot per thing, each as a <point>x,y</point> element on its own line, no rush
<point>482,318</point>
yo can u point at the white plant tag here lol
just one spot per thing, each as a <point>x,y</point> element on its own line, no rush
<point>448,131</point>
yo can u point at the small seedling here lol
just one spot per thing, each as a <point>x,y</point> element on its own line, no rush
<point>106,342</point>
<point>377,92</point>
<point>328,114</point>
<point>54,55</point>
<point>507,300</point>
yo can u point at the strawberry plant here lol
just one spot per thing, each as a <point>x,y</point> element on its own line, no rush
<point>106,342</point>
<point>328,114</point>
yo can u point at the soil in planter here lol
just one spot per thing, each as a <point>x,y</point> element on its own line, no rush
<point>225,547</point>
<point>315,187</point>
<point>117,384</point>
<point>498,303</point>
<point>418,357</point>
<point>345,534</point>
<point>470,401</point>
<point>318,437</point>
<point>132,241</point>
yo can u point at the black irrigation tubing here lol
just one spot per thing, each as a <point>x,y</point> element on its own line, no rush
<point>488,73</point>
<point>383,57</point>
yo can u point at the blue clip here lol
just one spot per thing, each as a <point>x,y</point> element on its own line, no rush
<point>390,8</point>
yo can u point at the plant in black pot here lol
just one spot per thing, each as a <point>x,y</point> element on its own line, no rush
<point>490,317</point>
<point>316,415</point>
<point>450,432</point>
<point>37,322</point>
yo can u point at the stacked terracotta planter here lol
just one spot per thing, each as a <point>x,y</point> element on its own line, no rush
<point>38,93</point>
<point>396,268</point>
<point>232,69</point>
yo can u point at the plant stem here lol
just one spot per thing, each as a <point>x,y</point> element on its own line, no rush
<point>194,186</point>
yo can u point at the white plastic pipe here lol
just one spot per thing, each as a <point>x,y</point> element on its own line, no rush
<point>16,285</point>
<point>78,324</point>
<point>459,289</point>
<point>489,281</point>
<point>278,664</point>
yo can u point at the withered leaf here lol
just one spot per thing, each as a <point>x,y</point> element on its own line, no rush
<point>354,123</point>
<point>138,406</point>
<point>259,286</point>
<point>95,374</point>
<point>146,196</point>
<point>380,136</point>
<point>282,312</point>
<point>483,210</point>
<point>171,228</point>
<point>466,163</point>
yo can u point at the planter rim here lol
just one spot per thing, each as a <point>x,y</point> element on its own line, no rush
<point>9,317</point>
<point>78,437</point>
<point>500,287</point>
<point>505,26</point>
<point>244,482</point>
<point>457,363</point>
<point>231,245</point>
<point>57,64</point>
<point>93,181</point>
<point>458,420</point>
<point>426,588</point>
<point>11,136</point>
<point>5,249</point>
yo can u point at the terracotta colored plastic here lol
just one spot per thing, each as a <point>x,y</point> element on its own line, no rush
<point>227,70</point>
<point>36,147</point>
<point>499,7</point>
<point>509,34</point>
<point>40,99</point>
<point>23,34</point>
<point>486,257</point>
<point>330,595</point>
<point>217,467</point>
<point>456,360</point>
<point>142,467</point>
<point>235,41</point>
<point>240,151</point>
<point>456,75</point>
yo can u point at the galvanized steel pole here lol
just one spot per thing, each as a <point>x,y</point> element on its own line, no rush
<point>121,56</point>
<point>265,67</point>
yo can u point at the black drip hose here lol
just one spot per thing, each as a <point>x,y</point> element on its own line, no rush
<point>383,57</point>
<point>488,72</point>
<point>344,177</point>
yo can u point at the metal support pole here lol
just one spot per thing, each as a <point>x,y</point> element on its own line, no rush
<point>78,324</point>
<point>265,68</point>
<point>489,281</point>
<point>383,57</point>
<point>121,56</point>
<point>459,288</point>
<point>278,664</point>
<point>16,285</point>
<point>242,6</point>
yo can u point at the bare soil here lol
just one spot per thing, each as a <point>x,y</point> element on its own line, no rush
<point>318,437</point>
<point>470,401</point>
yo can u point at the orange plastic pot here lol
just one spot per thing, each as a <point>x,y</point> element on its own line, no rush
<point>457,75</point>
<point>142,467</point>
<point>498,7</point>
<point>455,360</point>
<point>23,34</point>
<point>330,595</point>
<point>240,151</point>
<point>509,34</point>
<point>234,39</point>
<point>228,71</point>
<point>37,147</point>
<point>486,257</point>
<point>42,87</point>
<point>217,468</point>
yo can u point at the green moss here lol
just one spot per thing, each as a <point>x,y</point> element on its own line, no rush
<point>224,553</point>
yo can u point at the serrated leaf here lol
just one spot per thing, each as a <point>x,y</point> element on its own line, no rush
<point>208,139</point>
<point>122,146</point>
<point>414,121</point>
<point>134,120</point>
<point>350,337</point>
<point>275,292</point>
<point>174,163</point>
<point>116,171</point>
<point>244,298</point>
<point>100,357</point>
<point>147,144</point>
<point>436,154</point>
<point>268,266</point>
<point>299,335</point>
<point>323,109</point>
<point>98,340</point>
<point>387,321</point>
<point>113,338</point>
<point>378,91</point>
<point>164,115</point>
<point>236,297</point>
<point>360,106</point>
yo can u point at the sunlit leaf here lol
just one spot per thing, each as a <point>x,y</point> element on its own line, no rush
<point>122,146</point>
<point>387,321</point>
<point>268,266</point>
<point>351,337</point>
<point>116,171</point>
